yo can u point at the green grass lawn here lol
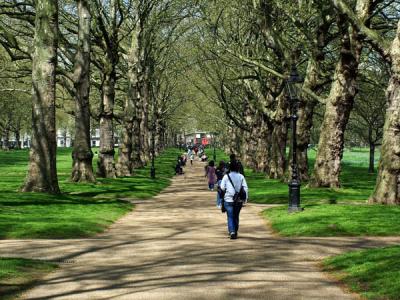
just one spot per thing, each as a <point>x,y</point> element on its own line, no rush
<point>82,210</point>
<point>357,184</point>
<point>18,275</point>
<point>374,273</point>
<point>336,220</point>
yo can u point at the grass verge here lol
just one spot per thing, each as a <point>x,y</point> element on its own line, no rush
<point>357,184</point>
<point>373,273</point>
<point>82,210</point>
<point>17,275</point>
<point>336,220</point>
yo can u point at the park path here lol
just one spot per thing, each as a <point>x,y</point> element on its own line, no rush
<point>176,247</point>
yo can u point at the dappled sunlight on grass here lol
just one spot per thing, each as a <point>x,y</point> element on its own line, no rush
<point>82,210</point>
<point>373,273</point>
<point>336,220</point>
<point>18,274</point>
<point>357,184</point>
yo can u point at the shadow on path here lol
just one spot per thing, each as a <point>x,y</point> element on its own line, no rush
<point>176,247</point>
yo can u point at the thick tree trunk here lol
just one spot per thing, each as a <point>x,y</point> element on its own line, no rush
<point>42,171</point>
<point>126,163</point>
<point>340,103</point>
<point>82,155</point>
<point>264,149</point>
<point>305,120</point>
<point>249,139</point>
<point>387,190</point>
<point>144,119</point>
<point>106,167</point>
<point>135,156</point>
<point>277,165</point>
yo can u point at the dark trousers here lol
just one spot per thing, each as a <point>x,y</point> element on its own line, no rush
<point>232,212</point>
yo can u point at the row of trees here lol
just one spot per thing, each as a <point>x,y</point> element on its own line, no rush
<point>137,63</point>
<point>348,53</point>
<point>105,60</point>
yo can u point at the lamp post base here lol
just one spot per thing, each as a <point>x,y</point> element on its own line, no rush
<point>152,172</point>
<point>294,197</point>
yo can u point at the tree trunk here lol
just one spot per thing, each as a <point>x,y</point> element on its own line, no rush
<point>106,167</point>
<point>371,168</point>
<point>17,133</point>
<point>264,149</point>
<point>305,120</point>
<point>340,103</point>
<point>6,138</point>
<point>135,156</point>
<point>82,155</point>
<point>277,163</point>
<point>42,171</point>
<point>126,162</point>
<point>387,190</point>
<point>144,118</point>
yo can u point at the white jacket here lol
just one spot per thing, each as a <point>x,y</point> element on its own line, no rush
<point>238,180</point>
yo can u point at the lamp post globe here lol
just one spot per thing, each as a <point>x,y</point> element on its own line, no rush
<point>294,183</point>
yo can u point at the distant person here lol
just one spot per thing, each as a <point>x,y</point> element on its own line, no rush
<point>191,158</point>
<point>231,184</point>
<point>178,166</point>
<point>210,174</point>
<point>204,157</point>
<point>233,158</point>
<point>183,159</point>
<point>220,172</point>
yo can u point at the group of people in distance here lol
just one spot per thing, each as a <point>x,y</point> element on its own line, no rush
<point>192,152</point>
<point>230,180</point>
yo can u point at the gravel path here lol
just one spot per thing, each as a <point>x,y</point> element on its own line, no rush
<point>176,247</point>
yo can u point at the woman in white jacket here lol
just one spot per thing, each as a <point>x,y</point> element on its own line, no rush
<point>231,183</point>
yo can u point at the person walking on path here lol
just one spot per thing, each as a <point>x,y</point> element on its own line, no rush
<point>231,184</point>
<point>210,174</point>
<point>240,166</point>
<point>220,172</point>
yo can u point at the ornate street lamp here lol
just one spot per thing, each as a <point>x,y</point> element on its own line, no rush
<point>294,184</point>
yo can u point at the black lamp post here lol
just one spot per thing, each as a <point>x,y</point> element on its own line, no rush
<point>294,184</point>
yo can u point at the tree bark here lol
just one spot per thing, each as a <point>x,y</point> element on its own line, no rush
<point>6,138</point>
<point>126,161</point>
<point>42,171</point>
<point>82,155</point>
<point>144,117</point>
<point>264,149</point>
<point>277,165</point>
<point>340,103</point>
<point>305,120</point>
<point>387,190</point>
<point>371,168</point>
<point>106,166</point>
<point>17,133</point>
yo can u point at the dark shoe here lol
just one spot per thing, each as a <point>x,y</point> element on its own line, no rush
<point>232,236</point>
